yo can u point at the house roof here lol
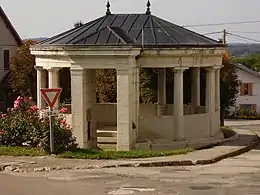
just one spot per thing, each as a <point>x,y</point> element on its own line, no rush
<point>10,26</point>
<point>248,70</point>
<point>140,30</point>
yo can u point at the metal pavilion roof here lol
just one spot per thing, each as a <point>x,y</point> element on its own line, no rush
<point>140,30</point>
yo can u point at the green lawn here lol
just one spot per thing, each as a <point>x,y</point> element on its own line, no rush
<point>90,154</point>
<point>20,151</point>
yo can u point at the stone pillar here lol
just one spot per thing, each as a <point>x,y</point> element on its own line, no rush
<point>178,104</point>
<point>127,108</point>
<point>136,102</point>
<point>82,106</point>
<point>41,83</point>
<point>217,91</point>
<point>92,96</point>
<point>210,97</point>
<point>54,81</point>
<point>161,91</point>
<point>195,89</point>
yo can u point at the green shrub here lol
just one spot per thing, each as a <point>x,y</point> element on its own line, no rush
<point>64,139</point>
<point>23,126</point>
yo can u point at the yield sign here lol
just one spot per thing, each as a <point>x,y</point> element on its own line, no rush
<point>51,95</point>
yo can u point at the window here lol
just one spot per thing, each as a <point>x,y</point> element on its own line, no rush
<point>246,89</point>
<point>248,107</point>
<point>6,59</point>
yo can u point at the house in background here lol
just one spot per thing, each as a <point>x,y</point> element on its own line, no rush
<point>249,93</point>
<point>9,41</point>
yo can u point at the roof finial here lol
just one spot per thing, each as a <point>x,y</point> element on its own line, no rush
<point>148,11</point>
<point>108,8</point>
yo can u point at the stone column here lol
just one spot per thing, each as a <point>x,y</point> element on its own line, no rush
<point>210,97</point>
<point>54,81</point>
<point>127,108</point>
<point>92,99</point>
<point>136,102</point>
<point>161,91</point>
<point>195,89</point>
<point>217,91</point>
<point>82,106</point>
<point>178,104</point>
<point>41,83</point>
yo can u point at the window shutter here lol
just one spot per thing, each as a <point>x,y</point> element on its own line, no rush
<point>6,59</point>
<point>242,90</point>
<point>250,89</point>
<point>241,106</point>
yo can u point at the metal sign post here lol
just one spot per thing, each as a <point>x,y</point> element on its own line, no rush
<point>51,116</point>
<point>51,96</point>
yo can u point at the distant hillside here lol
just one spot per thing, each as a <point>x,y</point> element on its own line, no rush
<point>240,49</point>
<point>37,39</point>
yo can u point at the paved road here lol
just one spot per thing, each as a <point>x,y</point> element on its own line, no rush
<point>239,175</point>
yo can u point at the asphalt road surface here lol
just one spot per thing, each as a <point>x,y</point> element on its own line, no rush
<point>234,176</point>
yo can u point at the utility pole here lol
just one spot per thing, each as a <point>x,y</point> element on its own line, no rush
<point>224,36</point>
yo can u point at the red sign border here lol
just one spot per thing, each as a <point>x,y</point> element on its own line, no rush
<point>44,92</point>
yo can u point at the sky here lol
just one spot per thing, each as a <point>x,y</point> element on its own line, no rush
<point>45,18</point>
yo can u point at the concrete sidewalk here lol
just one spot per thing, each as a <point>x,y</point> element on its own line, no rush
<point>246,141</point>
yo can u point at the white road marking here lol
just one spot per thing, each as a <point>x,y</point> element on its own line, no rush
<point>127,191</point>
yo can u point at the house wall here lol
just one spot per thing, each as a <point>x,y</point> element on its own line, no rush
<point>245,77</point>
<point>7,41</point>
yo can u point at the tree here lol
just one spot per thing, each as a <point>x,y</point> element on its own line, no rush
<point>23,75</point>
<point>106,85</point>
<point>251,61</point>
<point>229,86</point>
<point>148,85</point>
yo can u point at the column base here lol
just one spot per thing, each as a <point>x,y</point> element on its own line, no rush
<point>92,144</point>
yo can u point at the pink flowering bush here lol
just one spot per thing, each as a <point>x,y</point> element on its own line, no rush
<point>22,125</point>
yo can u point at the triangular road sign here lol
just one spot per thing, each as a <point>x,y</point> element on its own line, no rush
<point>51,95</point>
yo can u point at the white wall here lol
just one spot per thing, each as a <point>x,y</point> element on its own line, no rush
<point>107,113</point>
<point>255,99</point>
<point>159,127</point>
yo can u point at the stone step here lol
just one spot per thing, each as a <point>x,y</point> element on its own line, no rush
<point>108,128</point>
<point>107,140</point>
<point>104,133</point>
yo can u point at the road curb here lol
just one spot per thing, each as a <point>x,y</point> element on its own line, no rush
<point>149,163</point>
<point>229,155</point>
<point>234,153</point>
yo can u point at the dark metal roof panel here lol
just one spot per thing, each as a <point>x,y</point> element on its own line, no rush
<point>132,29</point>
<point>184,34</point>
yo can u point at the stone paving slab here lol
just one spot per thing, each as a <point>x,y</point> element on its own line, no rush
<point>246,141</point>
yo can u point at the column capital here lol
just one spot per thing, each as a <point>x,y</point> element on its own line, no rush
<point>180,69</point>
<point>52,69</point>
<point>214,68</point>
<point>123,71</point>
<point>218,66</point>
<point>38,68</point>
<point>210,69</point>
